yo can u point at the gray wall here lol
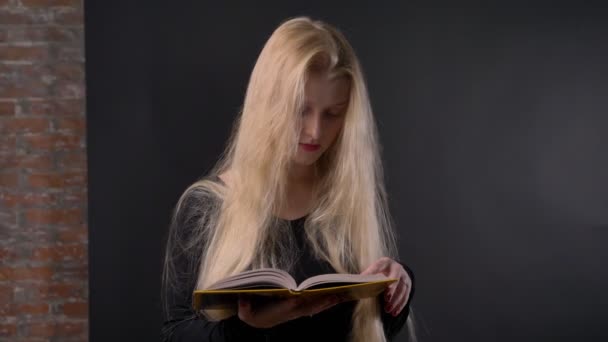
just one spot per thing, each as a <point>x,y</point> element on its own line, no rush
<point>493,121</point>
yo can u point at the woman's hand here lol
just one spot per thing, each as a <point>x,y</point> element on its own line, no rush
<point>398,293</point>
<point>283,310</point>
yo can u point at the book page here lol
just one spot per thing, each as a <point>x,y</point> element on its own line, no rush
<point>340,278</point>
<point>263,277</point>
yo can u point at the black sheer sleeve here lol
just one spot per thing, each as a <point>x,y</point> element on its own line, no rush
<point>394,324</point>
<point>180,321</point>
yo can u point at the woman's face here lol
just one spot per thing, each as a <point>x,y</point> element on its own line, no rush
<point>325,102</point>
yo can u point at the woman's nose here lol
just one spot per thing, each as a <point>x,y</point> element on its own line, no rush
<point>312,125</point>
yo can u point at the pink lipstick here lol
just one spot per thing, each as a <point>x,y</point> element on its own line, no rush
<point>310,147</point>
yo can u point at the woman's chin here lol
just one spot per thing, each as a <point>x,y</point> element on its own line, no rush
<point>304,162</point>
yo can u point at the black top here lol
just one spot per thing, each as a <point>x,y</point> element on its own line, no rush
<point>182,324</point>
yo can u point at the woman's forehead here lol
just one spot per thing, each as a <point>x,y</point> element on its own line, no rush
<point>324,91</point>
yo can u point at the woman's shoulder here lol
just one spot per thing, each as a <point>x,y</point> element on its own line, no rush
<point>199,198</point>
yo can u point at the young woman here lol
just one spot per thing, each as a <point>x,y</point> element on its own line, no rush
<point>300,188</point>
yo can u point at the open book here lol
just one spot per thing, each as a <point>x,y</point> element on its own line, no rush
<point>276,284</point>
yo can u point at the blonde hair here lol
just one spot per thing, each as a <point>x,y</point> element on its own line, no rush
<point>350,226</point>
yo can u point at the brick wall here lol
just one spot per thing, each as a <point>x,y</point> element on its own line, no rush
<point>43,231</point>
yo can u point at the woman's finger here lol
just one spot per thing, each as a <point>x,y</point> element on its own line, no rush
<point>372,269</point>
<point>396,272</point>
<point>394,296</point>
<point>390,290</point>
<point>244,311</point>
<point>377,266</point>
<point>401,301</point>
<point>287,309</point>
<point>324,305</point>
<point>269,315</point>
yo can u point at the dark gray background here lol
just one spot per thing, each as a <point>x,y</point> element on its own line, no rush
<point>493,121</point>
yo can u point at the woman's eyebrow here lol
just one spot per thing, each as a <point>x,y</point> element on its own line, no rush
<point>338,104</point>
<point>341,103</point>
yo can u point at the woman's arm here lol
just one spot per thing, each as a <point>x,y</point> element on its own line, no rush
<point>180,321</point>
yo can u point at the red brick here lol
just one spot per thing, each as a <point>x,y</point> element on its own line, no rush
<point>49,142</point>
<point>6,254</point>
<point>24,18</point>
<point>76,125</point>
<point>53,291</point>
<point>32,72</point>
<point>70,329</point>
<point>75,198</point>
<point>76,309</point>
<point>8,200</point>
<point>51,3</point>
<point>7,309</point>
<point>27,161</point>
<point>54,216</point>
<point>24,125</point>
<point>44,74</point>
<point>69,53</point>
<point>7,108</point>
<point>72,235</point>
<point>71,160</point>
<point>7,160</point>
<point>33,309</point>
<point>9,179</point>
<point>24,89</point>
<point>57,180</point>
<point>10,18</point>
<point>8,329</point>
<point>40,34</point>
<point>6,293</point>
<point>6,303</point>
<point>23,53</point>
<point>41,329</point>
<point>72,272</point>
<point>9,219</point>
<point>70,71</point>
<point>7,144</point>
<point>59,253</point>
<point>69,16</point>
<point>35,161</point>
<point>68,107</point>
<point>27,200</point>
<point>69,89</point>
<point>45,180</point>
<point>26,273</point>
<point>43,171</point>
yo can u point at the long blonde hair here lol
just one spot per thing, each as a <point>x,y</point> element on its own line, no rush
<point>350,226</point>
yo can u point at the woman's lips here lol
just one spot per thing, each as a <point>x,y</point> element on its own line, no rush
<point>310,147</point>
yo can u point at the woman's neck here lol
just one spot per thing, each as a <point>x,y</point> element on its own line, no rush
<point>301,175</point>
<point>299,192</point>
